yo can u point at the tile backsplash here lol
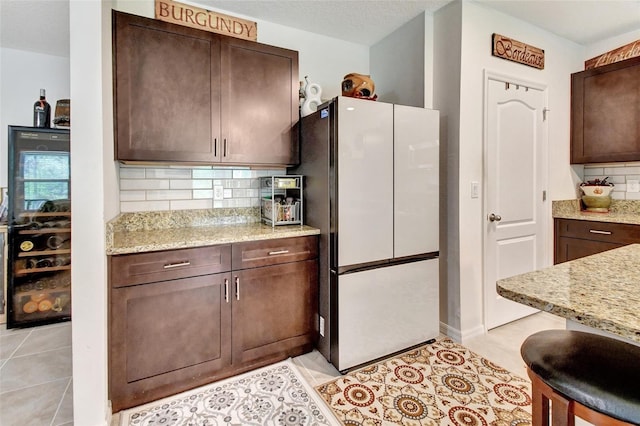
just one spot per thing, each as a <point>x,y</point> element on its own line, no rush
<point>619,174</point>
<point>157,188</point>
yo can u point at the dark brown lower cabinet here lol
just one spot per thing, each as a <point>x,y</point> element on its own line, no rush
<point>170,331</point>
<point>579,238</point>
<point>271,312</point>
<point>166,334</point>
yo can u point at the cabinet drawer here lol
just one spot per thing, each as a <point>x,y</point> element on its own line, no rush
<point>139,268</point>
<point>619,233</point>
<point>272,252</point>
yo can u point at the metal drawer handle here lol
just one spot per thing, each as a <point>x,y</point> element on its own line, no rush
<point>177,265</point>
<point>595,231</point>
<point>226,290</point>
<point>237,288</point>
<point>272,253</point>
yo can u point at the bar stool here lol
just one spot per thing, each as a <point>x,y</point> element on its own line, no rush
<point>586,375</point>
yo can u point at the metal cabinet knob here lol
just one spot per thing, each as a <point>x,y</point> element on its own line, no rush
<point>495,217</point>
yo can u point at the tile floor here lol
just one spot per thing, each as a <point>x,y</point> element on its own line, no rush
<point>35,376</point>
<point>35,367</point>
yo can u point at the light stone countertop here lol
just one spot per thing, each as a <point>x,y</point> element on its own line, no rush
<point>155,231</point>
<point>622,211</point>
<point>165,239</point>
<point>600,291</point>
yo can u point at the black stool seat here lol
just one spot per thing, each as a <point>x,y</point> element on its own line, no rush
<point>599,372</point>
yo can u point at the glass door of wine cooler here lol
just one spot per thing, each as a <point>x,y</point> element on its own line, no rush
<point>39,227</point>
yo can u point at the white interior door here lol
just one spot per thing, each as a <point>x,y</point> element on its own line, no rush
<point>515,181</point>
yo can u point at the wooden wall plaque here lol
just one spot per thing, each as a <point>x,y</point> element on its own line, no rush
<point>202,19</point>
<point>516,51</point>
<point>627,51</point>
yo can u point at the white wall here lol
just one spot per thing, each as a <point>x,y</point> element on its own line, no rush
<point>23,75</point>
<point>95,200</point>
<point>603,46</point>
<point>398,64</point>
<point>324,59</point>
<point>447,43</point>
<point>561,59</point>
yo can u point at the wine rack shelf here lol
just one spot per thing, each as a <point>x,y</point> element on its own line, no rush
<point>47,269</point>
<point>45,231</point>
<point>45,214</point>
<point>44,253</point>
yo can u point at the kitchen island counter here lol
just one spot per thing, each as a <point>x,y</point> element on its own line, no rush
<point>601,291</point>
<point>155,231</point>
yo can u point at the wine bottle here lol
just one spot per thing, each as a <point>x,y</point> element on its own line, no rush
<point>42,112</point>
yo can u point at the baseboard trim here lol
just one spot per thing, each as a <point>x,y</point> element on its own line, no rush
<point>458,335</point>
<point>447,330</point>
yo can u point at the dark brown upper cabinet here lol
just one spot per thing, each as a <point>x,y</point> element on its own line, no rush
<point>183,95</point>
<point>605,113</point>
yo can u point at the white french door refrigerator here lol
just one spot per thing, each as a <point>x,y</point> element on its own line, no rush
<point>371,171</point>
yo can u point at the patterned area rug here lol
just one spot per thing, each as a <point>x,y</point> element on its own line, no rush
<point>273,395</point>
<point>437,384</point>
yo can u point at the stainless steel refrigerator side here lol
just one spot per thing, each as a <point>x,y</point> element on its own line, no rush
<point>314,165</point>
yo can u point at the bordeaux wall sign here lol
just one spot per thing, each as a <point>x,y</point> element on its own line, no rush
<point>627,51</point>
<point>194,17</point>
<point>516,51</point>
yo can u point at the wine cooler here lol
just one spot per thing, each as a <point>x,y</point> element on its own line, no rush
<point>39,267</point>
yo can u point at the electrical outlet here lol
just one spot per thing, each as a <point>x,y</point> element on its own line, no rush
<point>218,192</point>
<point>321,325</point>
<point>633,185</point>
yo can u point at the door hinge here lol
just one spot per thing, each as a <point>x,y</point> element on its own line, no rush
<point>544,113</point>
<point>544,195</point>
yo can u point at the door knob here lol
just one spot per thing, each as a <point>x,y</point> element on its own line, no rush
<point>495,217</point>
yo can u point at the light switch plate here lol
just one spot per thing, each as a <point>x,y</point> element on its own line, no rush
<point>633,185</point>
<point>475,189</point>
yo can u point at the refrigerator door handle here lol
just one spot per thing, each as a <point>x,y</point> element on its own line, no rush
<point>237,280</point>
<point>226,290</point>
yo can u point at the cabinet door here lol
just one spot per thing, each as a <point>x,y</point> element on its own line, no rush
<point>167,91</point>
<point>274,311</point>
<point>605,103</point>
<point>260,103</point>
<point>166,337</point>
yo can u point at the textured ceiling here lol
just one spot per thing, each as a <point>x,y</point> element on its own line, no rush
<point>35,25</point>
<point>584,21</point>
<point>359,21</point>
<point>43,25</point>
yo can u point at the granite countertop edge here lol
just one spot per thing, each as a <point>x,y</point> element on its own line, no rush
<point>622,211</point>
<point>588,319</point>
<point>127,242</point>
<point>598,291</point>
<point>141,232</point>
